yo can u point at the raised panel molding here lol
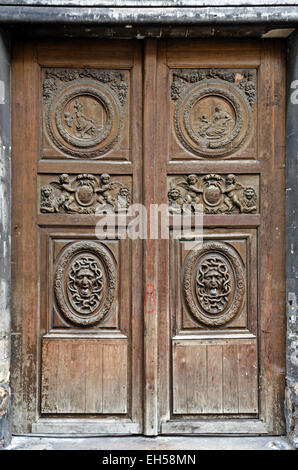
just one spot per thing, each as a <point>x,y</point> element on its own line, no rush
<point>213,109</point>
<point>214,283</point>
<point>85,283</point>
<point>215,377</point>
<point>83,110</point>
<point>96,370</point>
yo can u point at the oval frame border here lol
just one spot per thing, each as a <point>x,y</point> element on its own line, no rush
<point>106,258</point>
<point>240,285</point>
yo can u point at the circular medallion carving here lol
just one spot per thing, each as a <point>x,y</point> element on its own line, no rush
<point>214,284</point>
<point>83,119</point>
<point>212,118</point>
<point>85,283</point>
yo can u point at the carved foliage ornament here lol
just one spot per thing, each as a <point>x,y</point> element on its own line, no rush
<point>84,194</point>
<point>83,111</point>
<point>85,283</point>
<point>243,79</point>
<point>214,284</point>
<point>115,80</point>
<point>216,193</point>
<point>213,110</point>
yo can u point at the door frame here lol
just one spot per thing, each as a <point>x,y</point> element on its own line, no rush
<point>291,201</point>
<point>157,345</point>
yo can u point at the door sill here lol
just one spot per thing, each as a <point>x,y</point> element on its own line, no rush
<point>83,427</point>
<point>215,427</point>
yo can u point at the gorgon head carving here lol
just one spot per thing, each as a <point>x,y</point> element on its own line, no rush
<point>213,284</point>
<point>85,284</point>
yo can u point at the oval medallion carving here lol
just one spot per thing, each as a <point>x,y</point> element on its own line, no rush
<point>85,283</point>
<point>84,119</point>
<point>212,118</point>
<point>214,284</point>
<point>212,195</point>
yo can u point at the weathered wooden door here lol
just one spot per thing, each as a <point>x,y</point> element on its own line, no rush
<point>220,146</point>
<point>77,147</point>
<point>127,336</point>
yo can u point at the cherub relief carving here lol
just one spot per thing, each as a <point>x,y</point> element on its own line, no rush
<point>85,194</point>
<point>216,193</point>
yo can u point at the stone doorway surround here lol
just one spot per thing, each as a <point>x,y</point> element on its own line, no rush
<point>140,19</point>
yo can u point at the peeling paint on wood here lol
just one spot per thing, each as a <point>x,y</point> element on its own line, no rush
<point>150,15</point>
<point>145,3</point>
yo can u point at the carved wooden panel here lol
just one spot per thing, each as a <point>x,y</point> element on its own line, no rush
<point>215,194</point>
<point>216,377</point>
<point>84,193</point>
<point>84,377</point>
<point>214,285</point>
<point>213,112</point>
<point>83,278</point>
<point>85,282</point>
<point>214,302</point>
<point>84,112</point>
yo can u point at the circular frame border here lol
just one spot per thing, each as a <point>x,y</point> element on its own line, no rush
<point>206,91</point>
<point>109,100</point>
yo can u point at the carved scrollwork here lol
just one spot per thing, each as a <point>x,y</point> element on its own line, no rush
<point>212,110</point>
<point>85,283</point>
<point>214,284</point>
<point>83,110</point>
<point>115,80</point>
<point>84,194</point>
<point>243,79</point>
<point>216,194</point>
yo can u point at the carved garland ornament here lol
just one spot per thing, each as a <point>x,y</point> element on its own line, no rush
<point>213,111</point>
<point>85,283</point>
<point>83,112</point>
<point>214,284</point>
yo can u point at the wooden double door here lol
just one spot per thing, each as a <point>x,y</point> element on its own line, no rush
<point>143,334</point>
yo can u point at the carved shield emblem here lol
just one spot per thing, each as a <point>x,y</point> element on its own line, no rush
<point>212,195</point>
<point>85,195</point>
<point>214,284</point>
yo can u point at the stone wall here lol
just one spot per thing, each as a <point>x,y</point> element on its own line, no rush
<point>5,290</point>
<point>291,405</point>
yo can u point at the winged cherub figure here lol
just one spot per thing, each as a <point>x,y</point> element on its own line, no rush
<point>231,190</point>
<point>66,197</point>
